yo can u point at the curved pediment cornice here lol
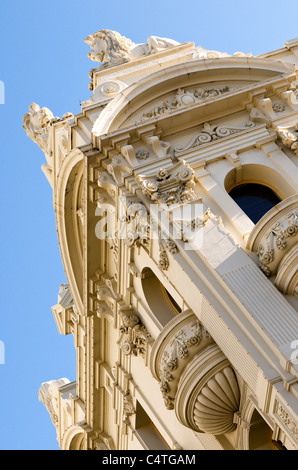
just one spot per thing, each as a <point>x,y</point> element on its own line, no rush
<point>221,78</point>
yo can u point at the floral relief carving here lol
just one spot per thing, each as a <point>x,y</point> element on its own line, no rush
<point>136,222</point>
<point>277,240</point>
<point>135,336</point>
<point>188,229</point>
<point>278,107</point>
<point>168,187</point>
<point>165,245</point>
<point>289,137</point>
<point>163,262</point>
<point>287,420</point>
<point>178,350</point>
<point>128,406</point>
<point>185,98</point>
<point>142,154</point>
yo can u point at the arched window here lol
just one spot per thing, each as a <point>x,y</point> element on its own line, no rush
<point>260,435</point>
<point>254,199</point>
<point>160,301</point>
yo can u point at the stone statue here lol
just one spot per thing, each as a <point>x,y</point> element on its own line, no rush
<point>36,123</point>
<point>110,48</point>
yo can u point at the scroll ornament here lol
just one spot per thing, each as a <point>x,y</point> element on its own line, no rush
<point>277,241</point>
<point>169,187</point>
<point>184,98</point>
<point>136,336</point>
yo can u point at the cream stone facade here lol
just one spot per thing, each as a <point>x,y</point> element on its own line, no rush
<point>182,308</point>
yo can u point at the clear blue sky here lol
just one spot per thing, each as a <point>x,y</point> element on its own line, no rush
<point>43,58</point>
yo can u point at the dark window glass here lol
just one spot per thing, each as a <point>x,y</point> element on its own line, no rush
<point>254,199</point>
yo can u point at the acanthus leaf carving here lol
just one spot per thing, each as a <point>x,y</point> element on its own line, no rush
<point>117,167</point>
<point>185,98</point>
<point>135,220</point>
<point>175,347</point>
<point>164,246</point>
<point>276,241</point>
<point>289,137</point>
<point>128,406</point>
<point>287,420</point>
<point>169,187</point>
<point>188,229</point>
<point>183,340</point>
<point>134,335</point>
<point>65,312</point>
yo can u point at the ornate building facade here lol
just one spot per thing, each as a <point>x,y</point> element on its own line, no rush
<point>176,198</point>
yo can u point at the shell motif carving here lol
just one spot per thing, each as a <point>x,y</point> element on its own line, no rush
<point>216,404</point>
<point>208,394</point>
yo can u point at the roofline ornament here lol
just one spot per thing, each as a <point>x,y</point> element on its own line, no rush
<point>111,48</point>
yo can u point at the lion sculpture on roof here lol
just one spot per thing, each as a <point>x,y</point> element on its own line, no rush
<point>110,48</point>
